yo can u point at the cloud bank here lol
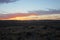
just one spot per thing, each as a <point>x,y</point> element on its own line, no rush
<point>33,15</point>
<point>7,1</point>
<point>6,16</point>
<point>43,12</point>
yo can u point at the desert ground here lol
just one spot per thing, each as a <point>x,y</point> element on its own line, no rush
<point>30,30</point>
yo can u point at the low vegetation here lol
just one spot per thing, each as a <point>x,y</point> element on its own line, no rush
<point>30,30</point>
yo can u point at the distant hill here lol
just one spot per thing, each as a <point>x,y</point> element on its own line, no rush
<point>6,23</point>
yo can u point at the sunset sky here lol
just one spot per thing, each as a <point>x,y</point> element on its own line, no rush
<point>29,9</point>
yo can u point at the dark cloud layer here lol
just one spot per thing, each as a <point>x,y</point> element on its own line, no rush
<point>7,1</point>
<point>43,12</point>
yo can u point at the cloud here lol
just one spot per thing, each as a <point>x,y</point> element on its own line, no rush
<point>29,17</point>
<point>44,12</point>
<point>6,16</point>
<point>34,15</point>
<point>7,1</point>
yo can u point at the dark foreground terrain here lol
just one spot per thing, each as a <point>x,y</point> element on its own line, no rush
<point>30,30</point>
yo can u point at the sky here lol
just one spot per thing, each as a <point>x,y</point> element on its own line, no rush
<point>29,9</point>
<point>29,5</point>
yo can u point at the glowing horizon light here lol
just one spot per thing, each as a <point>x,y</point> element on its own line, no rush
<point>36,17</point>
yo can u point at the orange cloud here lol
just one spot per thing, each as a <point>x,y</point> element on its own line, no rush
<point>29,16</point>
<point>38,17</point>
<point>17,16</point>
